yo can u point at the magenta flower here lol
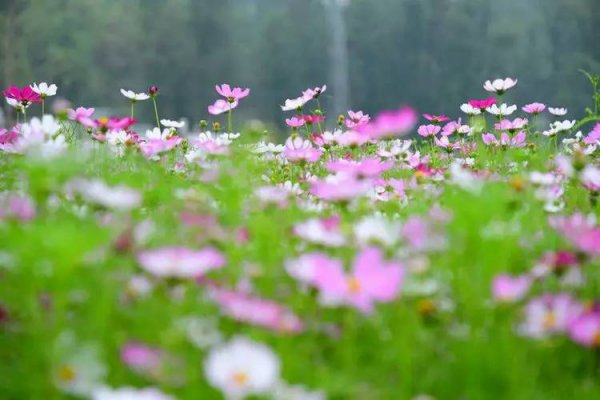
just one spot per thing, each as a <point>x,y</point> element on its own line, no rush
<point>298,149</point>
<point>581,231</point>
<point>294,122</point>
<point>180,262</point>
<point>232,95</point>
<point>534,108</point>
<point>221,106</point>
<point>549,314</point>
<point>506,288</point>
<point>340,187</point>
<point>390,123</point>
<point>482,104</point>
<point>313,119</point>
<point>24,95</point>
<point>356,119</point>
<point>428,130</point>
<point>436,119</point>
<point>372,280</point>
<point>256,311</point>
<point>83,116</point>
<point>585,330</point>
<point>367,167</point>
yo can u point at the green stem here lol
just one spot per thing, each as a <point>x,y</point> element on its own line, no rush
<point>43,103</point>
<point>132,104</point>
<point>24,115</point>
<point>229,121</point>
<point>18,114</point>
<point>156,113</point>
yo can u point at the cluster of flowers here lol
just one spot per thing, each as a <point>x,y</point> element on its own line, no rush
<point>328,174</point>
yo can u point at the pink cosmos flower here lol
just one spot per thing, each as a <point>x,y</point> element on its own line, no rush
<point>436,119</point>
<point>304,268</point>
<point>232,95</point>
<point>310,94</point>
<point>506,288</point>
<point>594,136</point>
<point>581,231</point>
<point>590,178</point>
<point>154,147</point>
<point>24,95</point>
<point>272,195</point>
<point>511,126</point>
<point>367,167</point>
<point>83,116</point>
<point>321,231</point>
<point>294,122</point>
<point>372,280</point>
<point>221,106</point>
<point>428,130</point>
<point>453,127</point>
<point>115,123</point>
<point>534,108</point>
<point>340,187</point>
<point>519,140</point>
<point>482,104</point>
<point>416,232</point>
<point>17,206</point>
<point>352,138</point>
<point>585,330</point>
<point>445,143</point>
<point>298,149</point>
<point>256,311</point>
<point>356,119</point>
<point>141,358</point>
<point>390,123</point>
<point>312,119</point>
<point>8,138</point>
<point>180,262</point>
<point>549,314</point>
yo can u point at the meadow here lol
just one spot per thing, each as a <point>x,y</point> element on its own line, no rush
<point>399,256</point>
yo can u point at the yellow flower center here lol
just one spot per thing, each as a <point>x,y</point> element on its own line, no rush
<point>239,378</point>
<point>549,320</point>
<point>353,285</point>
<point>66,374</point>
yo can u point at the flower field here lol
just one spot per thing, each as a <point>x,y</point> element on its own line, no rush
<point>395,256</point>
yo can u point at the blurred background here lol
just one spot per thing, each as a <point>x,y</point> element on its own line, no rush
<point>372,54</point>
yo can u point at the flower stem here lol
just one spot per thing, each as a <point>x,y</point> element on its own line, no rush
<point>132,104</point>
<point>229,121</point>
<point>156,112</point>
<point>43,103</point>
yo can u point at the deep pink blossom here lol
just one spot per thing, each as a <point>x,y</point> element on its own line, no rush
<point>24,95</point>
<point>482,104</point>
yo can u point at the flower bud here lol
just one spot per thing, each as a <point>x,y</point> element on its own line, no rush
<point>153,91</point>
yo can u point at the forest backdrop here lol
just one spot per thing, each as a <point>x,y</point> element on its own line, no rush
<point>432,54</point>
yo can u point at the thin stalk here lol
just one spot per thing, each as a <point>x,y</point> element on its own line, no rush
<point>229,121</point>
<point>43,103</point>
<point>156,112</point>
<point>132,104</point>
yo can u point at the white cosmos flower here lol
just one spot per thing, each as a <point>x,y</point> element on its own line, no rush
<point>129,393</point>
<point>156,134</point>
<point>559,112</point>
<point>504,109</point>
<point>499,85</point>
<point>131,95</point>
<point>294,104</point>
<point>116,197</point>
<point>262,147</point>
<point>242,368</point>
<point>560,126</point>
<point>469,109</point>
<point>167,123</point>
<point>377,229</point>
<point>16,104</point>
<point>44,90</point>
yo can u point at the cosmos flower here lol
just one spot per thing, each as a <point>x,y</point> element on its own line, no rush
<point>558,111</point>
<point>499,86</point>
<point>298,149</point>
<point>325,231</point>
<point>511,126</point>
<point>128,393</point>
<point>232,95</point>
<point>428,130</point>
<point>470,110</point>
<point>294,104</point>
<point>390,123</point>
<point>503,110</point>
<point>436,119</point>
<point>482,105</point>
<point>131,95</point>
<point>83,116</point>
<point>367,167</point>
<point>534,108</point>
<point>44,90</point>
<point>25,95</point>
<point>221,106</point>
<point>294,122</point>
<point>585,329</point>
<point>180,262</point>
<point>167,123</point>
<point>371,281</point>
<point>242,368</point>
<point>355,119</point>
<point>506,288</point>
<point>340,187</point>
<point>549,314</point>
<point>580,230</point>
<point>311,94</point>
